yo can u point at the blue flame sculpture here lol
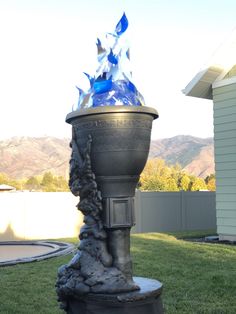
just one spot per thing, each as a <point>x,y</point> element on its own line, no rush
<point>112,84</point>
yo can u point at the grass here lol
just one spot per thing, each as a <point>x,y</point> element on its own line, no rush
<point>198,278</point>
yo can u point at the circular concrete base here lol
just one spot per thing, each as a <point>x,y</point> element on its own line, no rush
<point>147,300</point>
<point>14,252</point>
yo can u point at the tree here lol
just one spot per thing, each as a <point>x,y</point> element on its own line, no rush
<point>32,184</point>
<point>51,183</point>
<point>184,182</point>
<point>211,182</point>
<point>61,184</point>
<point>157,176</point>
<point>47,178</point>
<point>3,178</point>
<point>171,184</point>
<point>48,182</point>
<point>154,175</point>
<point>177,172</point>
<point>197,184</point>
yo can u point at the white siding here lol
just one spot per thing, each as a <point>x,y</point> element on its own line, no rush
<point>224,98</point>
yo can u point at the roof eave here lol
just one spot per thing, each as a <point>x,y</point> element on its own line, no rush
<point>201,85</point>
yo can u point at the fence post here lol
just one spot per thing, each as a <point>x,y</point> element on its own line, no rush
<point>183,210</point>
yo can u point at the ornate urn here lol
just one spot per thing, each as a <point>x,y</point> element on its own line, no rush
<point>111,131</point>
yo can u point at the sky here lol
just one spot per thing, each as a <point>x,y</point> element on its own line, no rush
<point>46,45</point>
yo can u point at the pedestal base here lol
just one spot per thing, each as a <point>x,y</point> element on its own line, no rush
<point>143,301</point>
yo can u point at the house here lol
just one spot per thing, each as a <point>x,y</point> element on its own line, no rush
<point>217,81</point>
<point>6,188</point>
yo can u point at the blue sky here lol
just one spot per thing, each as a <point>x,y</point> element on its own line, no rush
<point>46,45</point>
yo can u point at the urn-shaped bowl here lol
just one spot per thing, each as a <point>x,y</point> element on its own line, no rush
<point>120,144</point>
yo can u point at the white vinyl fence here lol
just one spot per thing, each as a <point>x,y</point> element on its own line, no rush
<point>46,215</point>
<point>38,215</point>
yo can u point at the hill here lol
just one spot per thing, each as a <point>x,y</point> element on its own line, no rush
<point>22,157</point>
<point>195,155</point>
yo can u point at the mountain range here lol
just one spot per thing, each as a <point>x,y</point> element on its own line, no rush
<point>22,157</point>
<point>194,154</point>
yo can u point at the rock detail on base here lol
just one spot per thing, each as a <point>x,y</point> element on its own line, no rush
<point>91,270</point>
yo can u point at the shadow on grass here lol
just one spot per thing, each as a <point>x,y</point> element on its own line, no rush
<point>192,234</point>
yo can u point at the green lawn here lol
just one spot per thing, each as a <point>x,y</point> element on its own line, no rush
<point>198,278</point>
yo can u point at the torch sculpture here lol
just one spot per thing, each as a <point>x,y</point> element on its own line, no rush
<point>111,130</point>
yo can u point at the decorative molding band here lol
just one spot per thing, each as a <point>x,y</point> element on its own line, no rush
<point>114,123</point>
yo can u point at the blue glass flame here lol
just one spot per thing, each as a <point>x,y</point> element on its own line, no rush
<point>111,85</point>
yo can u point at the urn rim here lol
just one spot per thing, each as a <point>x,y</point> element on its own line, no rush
<point>111,109</point>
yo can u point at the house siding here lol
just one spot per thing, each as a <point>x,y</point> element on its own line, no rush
<point>224,98</point>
